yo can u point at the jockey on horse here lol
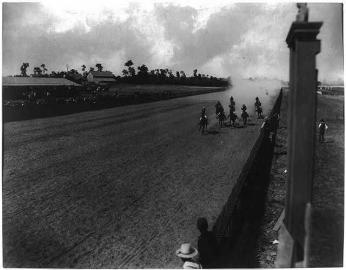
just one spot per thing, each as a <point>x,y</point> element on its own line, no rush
<point>244,114</point>
<point>258,108</point>
<point>220,113</point>
<point>231,105</point>
<point>232,115</point>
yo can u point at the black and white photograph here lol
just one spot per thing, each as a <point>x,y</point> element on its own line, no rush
<point>172,134</point>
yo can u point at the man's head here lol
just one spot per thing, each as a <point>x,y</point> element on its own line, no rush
<point>202,224</point>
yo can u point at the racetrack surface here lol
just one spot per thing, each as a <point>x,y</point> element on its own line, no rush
<point>117,188</point>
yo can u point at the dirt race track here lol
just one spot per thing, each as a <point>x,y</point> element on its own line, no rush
<point>117,188</point>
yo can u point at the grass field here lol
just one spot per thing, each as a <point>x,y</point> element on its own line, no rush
<point>148,88</point>
<point>116,188</point>
<point>118,95</point>
<point>328,189</point>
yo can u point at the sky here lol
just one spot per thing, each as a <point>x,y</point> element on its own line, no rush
<point>220,38</point>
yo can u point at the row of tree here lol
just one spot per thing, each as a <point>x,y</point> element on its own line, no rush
<point>167,76</point>
<point>131,75</point>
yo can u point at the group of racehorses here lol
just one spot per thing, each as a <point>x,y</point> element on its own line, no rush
<point>221,116</point>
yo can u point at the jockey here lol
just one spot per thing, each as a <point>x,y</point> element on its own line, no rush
<point>257,103</point>
<point>244,114</point>
<point>218,107</point>
<point>203,114</point>
<point>231,105</point>
<point>258,108</point>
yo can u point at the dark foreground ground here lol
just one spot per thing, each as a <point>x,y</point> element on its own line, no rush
<point>116,188</point>
<point>328,190</point>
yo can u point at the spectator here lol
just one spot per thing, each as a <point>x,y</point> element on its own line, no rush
<point>207,244</point>
<point>322,127</point>
<point>188,255</point>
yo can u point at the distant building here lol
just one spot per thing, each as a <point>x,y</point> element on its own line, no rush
<point>101,77</point>
<point>17,87</point>
<point>331,89</point>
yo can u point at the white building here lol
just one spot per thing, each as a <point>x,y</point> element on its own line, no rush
<point>101,77</point>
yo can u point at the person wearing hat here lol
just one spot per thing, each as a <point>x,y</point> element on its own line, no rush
<point>188,255</point>
<point>322,127</point>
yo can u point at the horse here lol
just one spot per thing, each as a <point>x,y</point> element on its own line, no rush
<point>244,116</point>
<point>259,112</point>
<point>232,118</point>
<point>203,124</point>
<point>222,117</point>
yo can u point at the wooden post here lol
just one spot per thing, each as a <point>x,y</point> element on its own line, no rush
<point>303,46</point>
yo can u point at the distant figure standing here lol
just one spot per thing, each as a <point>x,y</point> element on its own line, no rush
<point>188,255</point>
<point>303,12</point>
<point>322,127</point>
<point>244,114</point>
<point>207,244</point>
<point>203,121</point>
<point>203,113</point>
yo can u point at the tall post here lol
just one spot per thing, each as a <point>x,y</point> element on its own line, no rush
<point>304,47</point>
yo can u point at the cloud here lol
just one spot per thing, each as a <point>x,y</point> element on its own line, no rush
<point>245,40</point>
<point>195,48</point>
<point>103,42</point>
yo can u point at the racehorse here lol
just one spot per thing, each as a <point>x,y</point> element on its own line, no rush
<point>203,124</point>
<point>259,112</point>
<point>244,116</point>
<point>222,117</point>
<point>232,118</point>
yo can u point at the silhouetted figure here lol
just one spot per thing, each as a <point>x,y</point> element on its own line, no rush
<point>188,255</point>
<point>244,114</point>
<point>322,127</point>
<point>207,244</point>
<point>303,12</point>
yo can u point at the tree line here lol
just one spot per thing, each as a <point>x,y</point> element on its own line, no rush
<point>141,75</point>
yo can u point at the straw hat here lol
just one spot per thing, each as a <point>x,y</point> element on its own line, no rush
<point>186,251</point>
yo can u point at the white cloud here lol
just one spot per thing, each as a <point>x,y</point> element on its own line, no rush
<point>218,37</point>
